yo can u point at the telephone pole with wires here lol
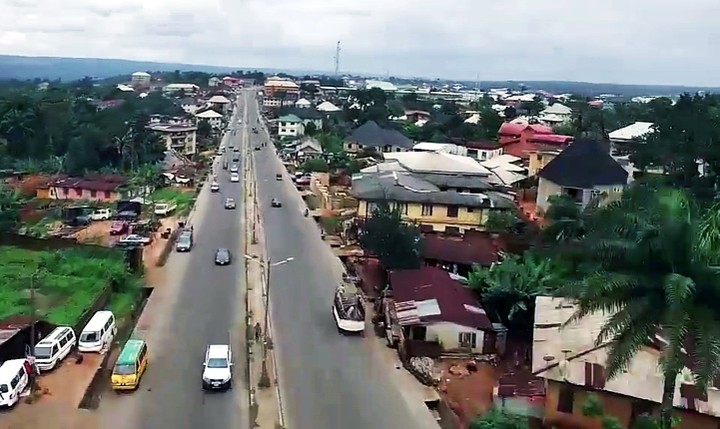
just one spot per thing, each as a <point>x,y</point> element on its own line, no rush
<point>337,58</point>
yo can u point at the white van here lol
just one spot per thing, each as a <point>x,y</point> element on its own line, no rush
<point>99,332</point>
<point>13,381</point>
<point>54,348</point>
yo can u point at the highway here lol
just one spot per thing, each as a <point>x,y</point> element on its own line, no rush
<point>329,381</point>
<point>201,304</point>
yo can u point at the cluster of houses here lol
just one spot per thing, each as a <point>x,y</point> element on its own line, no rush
<point>450,190</point>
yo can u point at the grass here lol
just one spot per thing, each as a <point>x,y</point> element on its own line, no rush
<point>183,198</point>
<point>67,283</point>
<point>312,202</point>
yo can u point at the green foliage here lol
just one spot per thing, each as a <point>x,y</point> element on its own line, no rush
<point>653,266</point>
<point>10,204</point>
<point>502,222</point>
<point>499,419</point>
<point>397,244</point>
<point>66,281</point>
<point>183,199</point>
<point>315,164</point>
<point>61,130</point>
<point>510,287</point>
<point>566,221</point>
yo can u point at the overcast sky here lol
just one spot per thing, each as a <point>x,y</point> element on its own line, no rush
<point>638,41</point>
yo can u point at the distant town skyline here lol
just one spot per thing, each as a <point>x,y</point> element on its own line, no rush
<point>641,42</point>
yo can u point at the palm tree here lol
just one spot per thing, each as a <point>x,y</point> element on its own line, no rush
<point>656,257</point>
<point>10,205</point>
<point>147,178</point>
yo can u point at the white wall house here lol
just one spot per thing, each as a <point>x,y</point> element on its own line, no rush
<point>140,78</point>
<point>290,126</point>
<point>450,148</point>
<point>179,137</point>
<point>177,88</point>
<point>214,118</point>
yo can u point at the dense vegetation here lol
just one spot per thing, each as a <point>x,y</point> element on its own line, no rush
<point>66,282</point>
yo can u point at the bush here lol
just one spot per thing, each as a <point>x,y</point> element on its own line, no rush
<point>316,164</point>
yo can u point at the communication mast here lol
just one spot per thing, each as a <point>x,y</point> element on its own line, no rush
<point>337,58</point>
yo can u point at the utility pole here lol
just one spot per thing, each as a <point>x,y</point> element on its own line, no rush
<point>337,58</point>
<point>264,376</point>
<point>33,306</point>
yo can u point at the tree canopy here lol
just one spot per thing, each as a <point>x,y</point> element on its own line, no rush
<point>396,243</point>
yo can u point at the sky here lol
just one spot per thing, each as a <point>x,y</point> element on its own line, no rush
<point>638,41</point>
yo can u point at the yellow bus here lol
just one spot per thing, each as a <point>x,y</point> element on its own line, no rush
<point>130,366</point>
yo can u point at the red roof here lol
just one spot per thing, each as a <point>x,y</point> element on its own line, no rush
<point>551,138</point>
<point>473,248</point>
<point>91,182</point>
<point>483,144</point>
<point>522,149</point>
<point>457,303</point>
<point>514,129</point>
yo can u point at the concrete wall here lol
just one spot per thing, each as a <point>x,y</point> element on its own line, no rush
<point>448,335</point>
<point>467,218</point>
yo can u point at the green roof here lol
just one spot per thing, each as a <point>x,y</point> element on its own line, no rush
<point>129,353</point>
<point>289,118</point>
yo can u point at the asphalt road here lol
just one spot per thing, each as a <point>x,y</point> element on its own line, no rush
<point>329,381</point>
<point>207,307</point>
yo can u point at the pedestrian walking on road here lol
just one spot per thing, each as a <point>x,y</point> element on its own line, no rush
<point>258,331</point>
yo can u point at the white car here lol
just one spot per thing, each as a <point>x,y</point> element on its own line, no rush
<point>214,187</point>
<point>217,367</point>
<point>234,177</point>
<point>101,214</point>
<point>134,240</point>
<point>234,168</point>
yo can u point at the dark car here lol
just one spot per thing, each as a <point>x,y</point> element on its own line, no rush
<point>222,256</point>
<point>229,203</point>
<point>278,176</point>
<point>275,203</point>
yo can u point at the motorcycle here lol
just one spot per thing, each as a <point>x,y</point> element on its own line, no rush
<point>306,212</point>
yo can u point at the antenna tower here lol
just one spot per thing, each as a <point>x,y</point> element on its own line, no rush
<point>337,58</point>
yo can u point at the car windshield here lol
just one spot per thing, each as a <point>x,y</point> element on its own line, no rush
<point>124,369</point>
<point>222,253</point>
<point>89,337</point>
<point>43,352</point>
<point>4,388</point>
<point>217,363</point>
<point>184,241</point>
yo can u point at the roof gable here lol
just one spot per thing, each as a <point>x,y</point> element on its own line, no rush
<point>584,165</point>
<point>371,134</point>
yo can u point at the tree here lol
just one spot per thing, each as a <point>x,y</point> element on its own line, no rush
<point>496,418</point>
<point>147,178</point>
<point>655,268</point>
<point>532,108</point>
<point>510,287</point>
<point>204,129</point>
<point>10,205</point>
<point>310,129</point>
<point>315,164</point>
<point>566,221</point>
<point>396,243</point>
<point>502,221</point>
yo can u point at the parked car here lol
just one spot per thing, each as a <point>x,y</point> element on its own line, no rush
<point>184,242</point>
<point>164,209</point>
<point>118,227</point>
<point>215,187</point>
<point>82,220</point>
<point>134,240</point>
<point>101,214</point>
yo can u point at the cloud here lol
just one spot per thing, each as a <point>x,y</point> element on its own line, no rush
<point>643,41</point>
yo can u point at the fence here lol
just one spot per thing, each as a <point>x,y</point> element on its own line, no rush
<point>165,252</point>
<point>50,243</point>
<point>98,304</point>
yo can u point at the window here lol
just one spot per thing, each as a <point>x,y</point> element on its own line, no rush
<point>470,209</point>
<point>566,399</point>
<point>93,194</point>
<point>467,339</point>
<point>427,209</point>
<point>107,194</point>
<point>63,341</point>
<point>483,156</point>
<point>452,211</point>
<point>55,350</point>
<point>14,382</point>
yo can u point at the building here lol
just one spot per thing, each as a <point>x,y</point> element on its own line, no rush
<point>181,88</point>
<point>540,156</point>
<point>585,172</point>
<point>220,103</point>
<point>430,200</point>
<point>303,104</point>
<point>622,139</point>
<point>432,312</point>
<point>566,355</point>
<point>140,79</point>
<point>232,82</point>
<point>385,86</point>
<point>214,118</point>
<point>483,150</point>
<point>303,149</point>
<point>458,254</point>
<point>371,136</point>
<point>557,113</point>
<point>181,137</point>
<point>507,168</point>
<point>214,81</point>
<point>290,126</point>
<point>108,104</point>
<point>93,187</point>
<point>307,116</point>
<point>278,92</point>
<point>450,148</point>
<point>327,107</point>
<point>189,105</point>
